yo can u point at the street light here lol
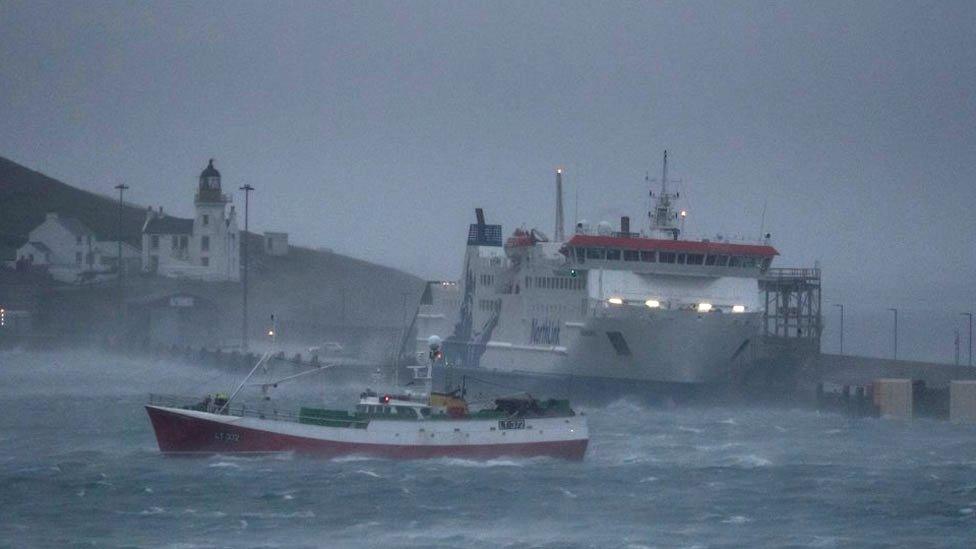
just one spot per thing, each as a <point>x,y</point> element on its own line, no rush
<point>841,306</point>
<point>970,315</point>
<point>247,193</point>
<point>121,188</point>
<point>895,353</point>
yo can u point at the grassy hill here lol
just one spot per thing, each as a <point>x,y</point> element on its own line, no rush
<point>313,290</point>
<point>26,196</point>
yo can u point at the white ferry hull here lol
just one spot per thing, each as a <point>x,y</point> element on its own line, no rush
<point>680,347</point>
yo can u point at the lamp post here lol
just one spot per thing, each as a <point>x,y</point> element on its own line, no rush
<point>970,315</point>
<point>247,194</point>
<point>121,188</point>
<point>841,307</point>
<point>895,348</point>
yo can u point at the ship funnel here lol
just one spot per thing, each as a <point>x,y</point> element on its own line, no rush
<point>560,235</point>
<point>625,225</point>
<point>480,214</point>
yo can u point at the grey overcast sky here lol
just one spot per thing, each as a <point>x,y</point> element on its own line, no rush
<point>375,128</point>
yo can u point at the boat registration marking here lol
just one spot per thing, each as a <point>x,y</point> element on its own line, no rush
<point>507,424</point>
<point>227,437</point>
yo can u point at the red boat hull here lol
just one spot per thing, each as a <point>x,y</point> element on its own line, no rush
<point>183,434</point>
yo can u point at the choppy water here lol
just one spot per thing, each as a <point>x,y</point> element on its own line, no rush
<point>79,467</point>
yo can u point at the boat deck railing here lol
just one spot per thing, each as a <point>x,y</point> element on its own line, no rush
<point>237,410</point>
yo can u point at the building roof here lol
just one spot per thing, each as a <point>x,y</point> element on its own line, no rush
<point>168,225</point>
<point>40,246</point>
<point>209,171</point>
<point>74,226</point>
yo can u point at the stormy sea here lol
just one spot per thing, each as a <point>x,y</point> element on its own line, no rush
<point>79,467</point>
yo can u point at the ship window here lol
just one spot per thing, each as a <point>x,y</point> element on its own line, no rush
<point>722,260</point>
<point>631,255</point>
<point>749,262</point>
<point>696,259</point>
<point>710,260</point>
<point>425,412</point>
<point>681,259</point>
<point>613,255</point>
<point>648,257</point>
<point>735,261</point>
<point>619,343</point>
<point>594,253</point>
<point>581,254</point>
<point>668,257</point>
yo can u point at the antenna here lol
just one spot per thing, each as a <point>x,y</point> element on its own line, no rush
<point>560,235</point>
<point>661,217</point>
<point>762,224</point>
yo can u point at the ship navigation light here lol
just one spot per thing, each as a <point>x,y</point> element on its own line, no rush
<point>684,213</point>
<point>652,303</point>
<point>615,301</point>
<point>704,307</point>
<point>573,273</point>
<point>738,308</point>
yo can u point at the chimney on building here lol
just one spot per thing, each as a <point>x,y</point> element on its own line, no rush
<point>560,235</point>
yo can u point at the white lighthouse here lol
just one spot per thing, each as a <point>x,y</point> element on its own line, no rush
<point>207,248</point>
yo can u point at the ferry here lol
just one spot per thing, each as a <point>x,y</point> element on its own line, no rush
<point>394,425</point>
<point>603,307</point>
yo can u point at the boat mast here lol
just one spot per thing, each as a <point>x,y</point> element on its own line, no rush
<point>662,217</point>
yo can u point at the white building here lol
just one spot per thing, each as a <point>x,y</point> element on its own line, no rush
<point>206,247</point>
<point>65,247</point>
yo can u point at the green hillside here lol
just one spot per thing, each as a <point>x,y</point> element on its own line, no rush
<point>26,196</point>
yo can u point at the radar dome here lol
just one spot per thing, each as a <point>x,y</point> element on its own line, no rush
<point>604,228</point>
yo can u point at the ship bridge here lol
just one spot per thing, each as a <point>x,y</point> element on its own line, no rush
<point>677,257</point>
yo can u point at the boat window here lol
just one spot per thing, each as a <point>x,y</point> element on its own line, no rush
<point>668,257</point>
<point>581,255</point>
<point>696,259</point>
<point>749,262</point>
<point>425,412</point>
<point>681,259</point>
<point>631,255</point>
<point>594,253</point>
<point>387,410</point>
<point>613,255</point>
<point>722,260</point>
<point>361,408</point>
<point>710,260</point>
<point>735,261</point>
<point>648,257</point>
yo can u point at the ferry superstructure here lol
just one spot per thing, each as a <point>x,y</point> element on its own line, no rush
<point>608,305</point>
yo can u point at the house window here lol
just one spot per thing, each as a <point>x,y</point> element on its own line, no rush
<point>78,256</point>
<point>154,242</point>
<point>206,220</point>
<point>205,261</point>
<point>204,243</point>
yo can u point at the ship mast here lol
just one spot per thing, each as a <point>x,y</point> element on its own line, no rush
<point>662,217</point>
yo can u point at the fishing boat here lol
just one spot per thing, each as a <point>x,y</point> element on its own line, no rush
<point>400,424</point>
